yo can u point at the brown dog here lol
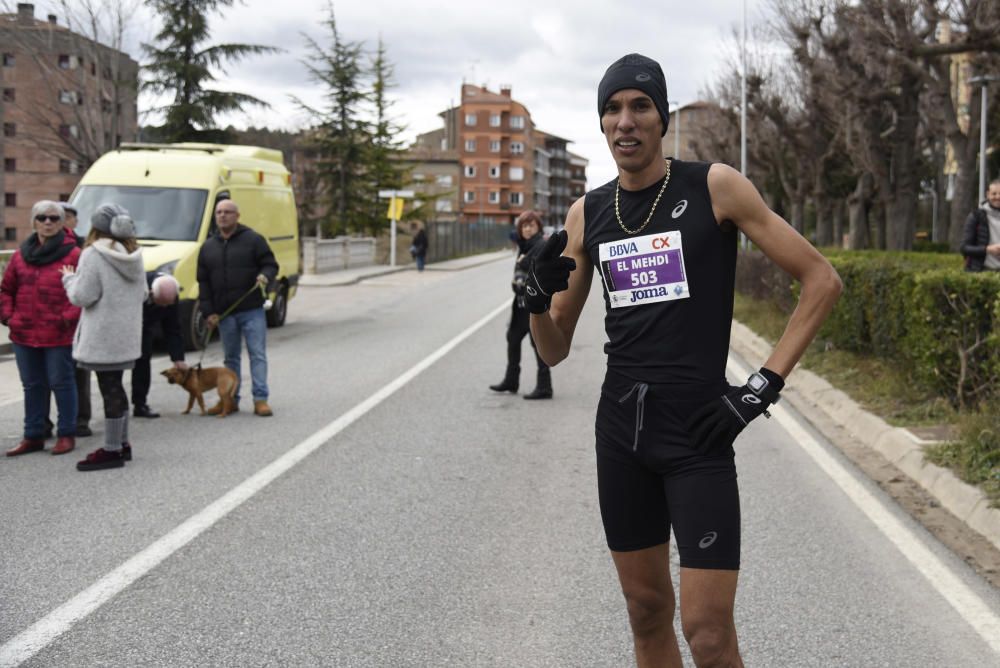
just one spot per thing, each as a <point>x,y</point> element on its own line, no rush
<point>198,381</point>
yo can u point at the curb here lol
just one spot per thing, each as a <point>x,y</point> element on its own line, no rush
<point>807,392</point>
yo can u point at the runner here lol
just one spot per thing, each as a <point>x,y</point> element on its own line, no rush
<point>663,236</point>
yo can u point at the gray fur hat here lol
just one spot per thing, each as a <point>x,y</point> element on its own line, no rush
<point>114,220</point>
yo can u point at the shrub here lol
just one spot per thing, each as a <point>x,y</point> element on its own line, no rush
<point>953,342</point>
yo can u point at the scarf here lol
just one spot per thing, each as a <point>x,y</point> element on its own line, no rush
<point>41,254</point>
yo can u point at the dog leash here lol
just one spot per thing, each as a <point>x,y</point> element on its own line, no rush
<point>208,332</point>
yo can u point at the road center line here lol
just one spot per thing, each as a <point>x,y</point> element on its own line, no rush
<point>43,632</point>
<point>966,602</point>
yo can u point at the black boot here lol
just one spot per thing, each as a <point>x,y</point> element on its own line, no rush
<point>543,390</point>
<point>510,381</point>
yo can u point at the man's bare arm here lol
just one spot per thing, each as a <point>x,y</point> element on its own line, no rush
<point>553,330</point>
<point>734,198</point>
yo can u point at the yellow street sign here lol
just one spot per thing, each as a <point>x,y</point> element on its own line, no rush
<point>395,211</point>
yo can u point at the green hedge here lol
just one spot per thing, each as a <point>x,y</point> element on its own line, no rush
<point>919,309</point>
<point>953,341</point>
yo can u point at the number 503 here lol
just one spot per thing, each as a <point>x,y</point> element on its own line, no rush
<point>643,278</point>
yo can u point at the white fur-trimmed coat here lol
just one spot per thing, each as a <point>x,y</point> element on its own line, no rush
<point>110,286</point>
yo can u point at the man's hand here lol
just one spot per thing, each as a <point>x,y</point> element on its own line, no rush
<point>548,273</point>
<point>993,249</point>
<point>180,365</point>
<point>212,321</point>
<point>262,280</point>
<point>714,427</point>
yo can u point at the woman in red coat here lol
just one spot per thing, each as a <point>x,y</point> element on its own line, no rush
<point>33,304</point>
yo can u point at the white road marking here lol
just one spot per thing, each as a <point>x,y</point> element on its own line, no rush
<point>43,632</point>
<point>966,602</point>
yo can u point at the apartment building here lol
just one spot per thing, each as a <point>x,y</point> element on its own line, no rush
<point>435,174</point>
<point>65,100</point>
<point>506,165</point>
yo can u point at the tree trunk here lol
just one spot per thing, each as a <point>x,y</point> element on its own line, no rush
<point>798,220</point>
<point>858,203</point>
<point>837,222</point>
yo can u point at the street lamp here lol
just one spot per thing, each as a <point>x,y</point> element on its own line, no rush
<point>982,80</point>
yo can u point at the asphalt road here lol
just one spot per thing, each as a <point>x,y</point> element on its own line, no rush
<point>395,512</point>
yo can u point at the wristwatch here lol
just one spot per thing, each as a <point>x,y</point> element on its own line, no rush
<point>760,386</point>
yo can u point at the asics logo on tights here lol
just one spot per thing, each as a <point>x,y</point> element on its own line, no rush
<point>707,541</point>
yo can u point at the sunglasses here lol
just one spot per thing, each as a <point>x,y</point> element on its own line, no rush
<point>51,219</point>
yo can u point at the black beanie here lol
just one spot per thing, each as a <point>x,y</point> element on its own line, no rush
<point>639,72</point>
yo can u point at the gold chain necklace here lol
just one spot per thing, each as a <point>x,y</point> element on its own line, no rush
<point>618,214</point>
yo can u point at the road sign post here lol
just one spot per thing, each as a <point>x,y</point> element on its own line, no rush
<point>396,199</point>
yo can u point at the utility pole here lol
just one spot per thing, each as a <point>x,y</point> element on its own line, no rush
<point>984,81</point>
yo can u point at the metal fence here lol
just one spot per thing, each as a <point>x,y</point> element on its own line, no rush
<point>451,239</point>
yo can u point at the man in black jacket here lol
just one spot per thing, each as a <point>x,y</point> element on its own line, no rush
<point>160,309</point>
<point>234,268</point>
<point>981,239</point>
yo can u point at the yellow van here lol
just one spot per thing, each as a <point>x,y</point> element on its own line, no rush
<point>171,191</point>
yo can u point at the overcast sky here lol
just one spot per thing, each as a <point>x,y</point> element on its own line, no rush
<point>552,54</point>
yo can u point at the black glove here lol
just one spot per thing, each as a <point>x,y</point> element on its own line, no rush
<point>548,273</point>
<point>714,427</point>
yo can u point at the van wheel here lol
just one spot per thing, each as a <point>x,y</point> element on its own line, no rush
<point>279,308</point>
<point>193,327</point>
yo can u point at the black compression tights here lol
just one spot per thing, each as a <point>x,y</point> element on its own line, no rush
<point>113,393</point>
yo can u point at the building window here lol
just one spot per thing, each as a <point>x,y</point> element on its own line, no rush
<point>444,179</point>
<point>494,146</point>
<point>494,197</point>
<point>10,164</point>
<point>8,61</point>
<point>517,199</point>
<point>470,145</point>
<point>67,62</point>
<point>517,122</point>
<point>68,167</point>
<point>516,147</point>
<point>9,130</point>
<point>494,171</point>
<point>517,173</point>
<point>417,178</point>
<point>470,119</point>
<point>67,131</point>
<point>470,196</point>
<point>67,96</point>
<point>64,197</point>
<point>10,234</point>
<point>10,199</point>
<point>93,68</point>
<point>443,205</point>
<point>470,171</point>
<point>8,95</point>
<point>494,120</point>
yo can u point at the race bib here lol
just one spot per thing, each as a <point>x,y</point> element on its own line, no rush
<point>644,270</point>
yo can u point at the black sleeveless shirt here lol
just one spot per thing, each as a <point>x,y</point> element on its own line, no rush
<point>672,283</point>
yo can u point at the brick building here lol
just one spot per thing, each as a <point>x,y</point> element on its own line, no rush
<point>505,164</point>
<point>65,101</point>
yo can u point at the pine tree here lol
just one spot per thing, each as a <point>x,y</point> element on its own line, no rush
<point>181,63</point>
<point>385,169</point>
<point>341,135</point>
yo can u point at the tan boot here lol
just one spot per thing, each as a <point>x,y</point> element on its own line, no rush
<point>261,408</point>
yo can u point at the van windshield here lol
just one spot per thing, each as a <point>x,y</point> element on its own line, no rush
<point>170,214</point>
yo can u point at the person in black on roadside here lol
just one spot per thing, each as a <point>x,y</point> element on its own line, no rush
<point>529,237</point>
<point>159,310</point>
